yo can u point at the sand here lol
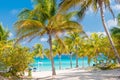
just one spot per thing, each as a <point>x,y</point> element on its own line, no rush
<point>77,74</point>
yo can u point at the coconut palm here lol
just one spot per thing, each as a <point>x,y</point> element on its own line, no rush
<point>83,49</point>
<point>38,50</point>
<point>97,45</point>
<point>76,40</point>
<point>96,5</point>
<point>59,48</point>
<point>69,43</point>
<point>43,20</point>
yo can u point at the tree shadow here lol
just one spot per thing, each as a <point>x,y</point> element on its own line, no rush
<point>77,75</point>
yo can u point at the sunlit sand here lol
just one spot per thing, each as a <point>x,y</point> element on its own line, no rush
<point>78,74</point>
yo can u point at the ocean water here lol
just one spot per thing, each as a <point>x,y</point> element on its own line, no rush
<point>45,64</point>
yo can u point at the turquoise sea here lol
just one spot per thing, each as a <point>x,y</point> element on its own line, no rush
<point>45,64</point>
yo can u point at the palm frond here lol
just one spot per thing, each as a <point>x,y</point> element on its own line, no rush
<point>115,31</point>
<point>67,4</point>
<point>28,35</point>
<point>46,7</point>
<point>70,26</point>
<point>28,24</point>
<point>28,28</point>
<point>95,6</point>
<point>107,4</point>
<point>24,14</point>
<point>71,14</point>
<point>83,8</point>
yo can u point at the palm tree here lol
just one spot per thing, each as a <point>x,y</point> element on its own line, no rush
<point>76,40</point>
<point>38,50</point>
<point>96,5</point>
<point>4,34</point>
<point>43,20</point>
<point>59,48</point>
<point>69,43</point>
<point>83,50</point>
<point>97,45</point>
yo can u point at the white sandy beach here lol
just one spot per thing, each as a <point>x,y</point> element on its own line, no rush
<point>77,74</point>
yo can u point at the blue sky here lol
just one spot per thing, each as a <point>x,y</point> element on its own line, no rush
<point>9,10</point>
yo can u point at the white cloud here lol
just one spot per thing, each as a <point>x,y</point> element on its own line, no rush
<point>90,11</point>
<point>10,34</point>
<point>14,11</point>
<point>89,33</point>
<point>62,34</point>
<point>116,7</point>
<point>101,33</point>
<point>43,39</point>
<point>112,23</point>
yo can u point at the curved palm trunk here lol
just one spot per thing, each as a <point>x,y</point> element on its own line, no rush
<point>108,34</point>
<point>59,61</point>
<point>51,55</point>
<point>76,61</point>
<point>70,59</point>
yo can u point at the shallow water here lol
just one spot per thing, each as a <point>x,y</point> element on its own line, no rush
<point>45,64</point>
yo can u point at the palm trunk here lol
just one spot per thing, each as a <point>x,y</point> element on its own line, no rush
<point>51,55</point>
<point>89,65</point>
<point>108,34</point>
<point>59,61</point>
<point>89,61</point>
<point>76,57</point>
<point>83,62</point>
<point>70,60</point>
<point>76,61</point>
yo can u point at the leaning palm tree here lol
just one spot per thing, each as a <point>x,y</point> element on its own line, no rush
<point>43,20</point>
<point>96,5</point>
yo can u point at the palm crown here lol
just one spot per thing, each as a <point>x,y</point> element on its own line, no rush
<point>44,19</point>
